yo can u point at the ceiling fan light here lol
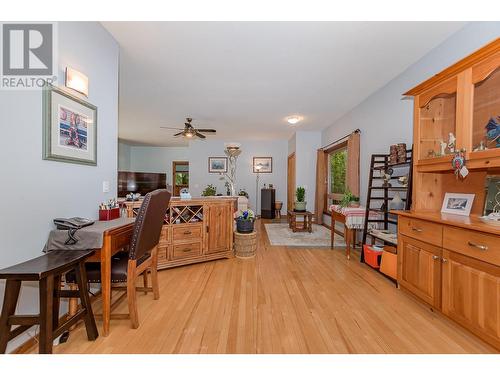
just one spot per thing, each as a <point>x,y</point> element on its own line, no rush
<point>292,120</point>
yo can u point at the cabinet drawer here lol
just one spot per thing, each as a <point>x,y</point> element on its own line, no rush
<point>186,232</point>
<point>186,250</point>
<point>482,246</point>
<point>162,252</point>
<point>421,230</point>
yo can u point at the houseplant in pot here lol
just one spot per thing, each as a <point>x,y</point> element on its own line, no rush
<point>349,200</point>
<point>245,221</point>
<point>300,195</point>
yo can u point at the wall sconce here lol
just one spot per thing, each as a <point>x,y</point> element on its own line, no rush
<point>77,81</point>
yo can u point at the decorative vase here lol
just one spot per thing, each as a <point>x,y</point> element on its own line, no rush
<point>300,206</point>
<point>244,226</point>
<point>354,204</point>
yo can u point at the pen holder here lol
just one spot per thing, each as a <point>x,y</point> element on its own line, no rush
<point>106,215</point>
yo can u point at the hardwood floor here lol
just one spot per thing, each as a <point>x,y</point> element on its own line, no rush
<point>285,300</point>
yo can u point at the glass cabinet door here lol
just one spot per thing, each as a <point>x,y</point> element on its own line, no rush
<point>486,113</point>
<point>438,126</point>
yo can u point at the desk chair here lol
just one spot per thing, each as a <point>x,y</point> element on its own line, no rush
<point>141,258</point>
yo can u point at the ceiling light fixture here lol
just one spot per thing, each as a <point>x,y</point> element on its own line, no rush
<point>292,120</point>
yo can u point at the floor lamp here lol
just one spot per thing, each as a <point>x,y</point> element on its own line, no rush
<point>257,169</point>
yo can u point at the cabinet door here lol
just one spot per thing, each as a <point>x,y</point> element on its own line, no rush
<point>471,295</point>
<point>419,269</point>
<point>220,232</point>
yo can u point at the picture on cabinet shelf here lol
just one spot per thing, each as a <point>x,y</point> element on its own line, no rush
<point>458,204</point>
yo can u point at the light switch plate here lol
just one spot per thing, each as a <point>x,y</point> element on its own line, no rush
<point>105,186</point>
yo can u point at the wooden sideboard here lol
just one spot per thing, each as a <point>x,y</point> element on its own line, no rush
<point>195,230</point>
<point>452,262</point>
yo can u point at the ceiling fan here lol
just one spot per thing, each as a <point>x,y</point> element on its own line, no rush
<point>190,131</point>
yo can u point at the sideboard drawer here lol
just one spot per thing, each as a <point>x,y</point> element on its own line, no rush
<point>165,235</point>
<point>482,246</point>
<point>186,232</point>
<point>421,230</point>
<point>187,250</point>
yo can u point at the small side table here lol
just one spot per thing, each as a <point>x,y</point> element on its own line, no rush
<point>245,244</point>
<point>307,223</point>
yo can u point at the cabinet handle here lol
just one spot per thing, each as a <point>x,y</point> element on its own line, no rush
<point>444,260</point>
<point>186,250</point>
<point>416,229</point>
<point>187,232</point>
<point>435,257</point>
<point>480,247</point>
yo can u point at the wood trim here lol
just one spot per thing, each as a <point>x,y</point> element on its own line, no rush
<point>445,89</point>
<point>336,147</point>
<point>477,56</point>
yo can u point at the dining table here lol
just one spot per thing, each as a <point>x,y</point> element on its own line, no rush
<point>107,238</point>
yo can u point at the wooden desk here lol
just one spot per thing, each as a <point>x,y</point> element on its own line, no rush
<point>113,241</point>
<point>349,234</point>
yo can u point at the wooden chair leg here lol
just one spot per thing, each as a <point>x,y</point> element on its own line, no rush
<point>154,274</point>
<point>145,280</point>
<point>12,288</point>
<point>56,302</point>
<point>46,292</point>
<point>131,293</point>
<point>81,278</point>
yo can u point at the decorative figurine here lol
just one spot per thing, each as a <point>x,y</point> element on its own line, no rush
<point>403,180</point>
<point>386,176</point>
<point>493,131</point>
<point>443,145</point>
<point>481,147</point>
<point>451,142</point>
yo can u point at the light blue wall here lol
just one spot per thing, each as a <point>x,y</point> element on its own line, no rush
<point>123,156</point>
<point>384,118</point>
<point>34,191</point>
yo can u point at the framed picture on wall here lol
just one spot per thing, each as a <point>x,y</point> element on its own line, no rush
<point>69,128</point>
<point>217,165</point>
<point>263,164</point>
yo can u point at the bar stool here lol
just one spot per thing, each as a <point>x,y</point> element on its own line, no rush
<point>47,270</point>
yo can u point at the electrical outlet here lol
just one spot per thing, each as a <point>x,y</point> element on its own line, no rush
<point>105,186</point>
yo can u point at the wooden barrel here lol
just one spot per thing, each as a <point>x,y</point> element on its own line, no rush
<point>245,244</point>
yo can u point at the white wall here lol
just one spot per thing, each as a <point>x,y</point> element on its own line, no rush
<point>307,143</point>
<point>35,191</point>
<point>384,118</point>
<point>123,156</point>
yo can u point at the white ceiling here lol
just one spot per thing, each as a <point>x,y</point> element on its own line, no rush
<point>244,78</point>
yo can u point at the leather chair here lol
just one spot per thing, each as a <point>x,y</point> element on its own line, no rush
<point>142,256</point>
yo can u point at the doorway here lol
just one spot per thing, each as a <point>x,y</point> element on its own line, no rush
<point>290,196</point>
<point>180,176</point>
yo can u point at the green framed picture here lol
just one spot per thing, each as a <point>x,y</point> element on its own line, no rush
<point>69,128</point>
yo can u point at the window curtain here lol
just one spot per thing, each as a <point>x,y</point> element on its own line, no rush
<point>321,184</point>
<point>352,178</point>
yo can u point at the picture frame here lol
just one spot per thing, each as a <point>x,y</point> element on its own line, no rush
<point>457,203</point>
<point>217,164</point>
<point>69,128</point>
<point>264,162</point>
<point>492,194</point>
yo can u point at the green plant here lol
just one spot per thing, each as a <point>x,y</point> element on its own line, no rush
<point>348,198</point>
<point>209,191</point>
<point>300,193</point>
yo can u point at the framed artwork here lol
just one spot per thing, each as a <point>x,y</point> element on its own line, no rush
<point>492,193</point>
<point>217,165</point>
<point>263,164</point>
<point>69,128</point>
<point>457,203</point>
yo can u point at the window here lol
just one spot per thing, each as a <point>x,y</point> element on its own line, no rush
<point>337,168</point>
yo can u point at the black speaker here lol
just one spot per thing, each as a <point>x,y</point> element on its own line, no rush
<point>267,203</point>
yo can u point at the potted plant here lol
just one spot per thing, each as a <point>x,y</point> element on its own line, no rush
<point>209,191</point>
<point>349,200</point>
<point>300,203</point>
<point>243,193</point>
<point>245,221</point>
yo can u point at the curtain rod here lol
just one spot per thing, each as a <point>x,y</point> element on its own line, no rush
<point>340,139</point>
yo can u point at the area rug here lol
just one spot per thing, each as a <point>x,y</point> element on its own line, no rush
<point>282,235</point>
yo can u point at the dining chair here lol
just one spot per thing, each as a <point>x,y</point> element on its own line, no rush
<point>141,258</point>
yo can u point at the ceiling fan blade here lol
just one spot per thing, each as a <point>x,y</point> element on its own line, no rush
<point>200,135</point>
<point>167,127</point>
<point>175,135</point>
<point>206,130</point>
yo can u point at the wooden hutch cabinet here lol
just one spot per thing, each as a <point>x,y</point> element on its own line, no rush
<point>452,262</point>
<point>195,230</point>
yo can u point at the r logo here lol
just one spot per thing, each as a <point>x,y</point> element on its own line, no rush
<point>27,49</point>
